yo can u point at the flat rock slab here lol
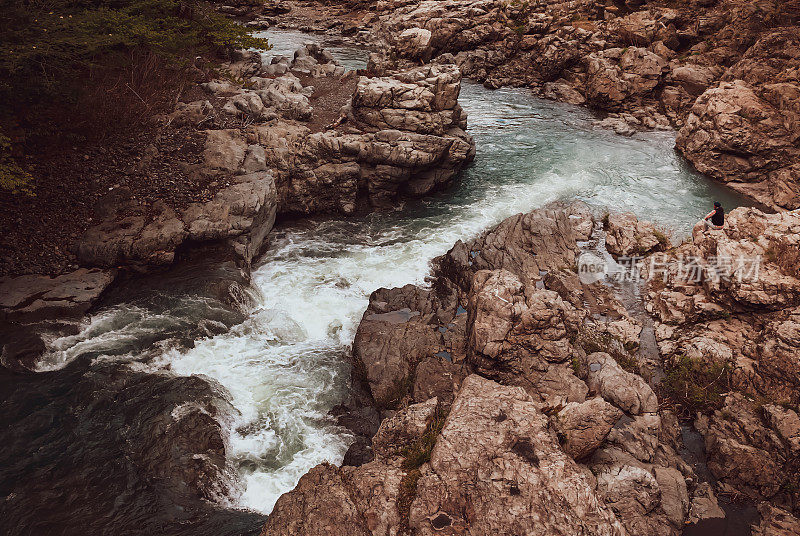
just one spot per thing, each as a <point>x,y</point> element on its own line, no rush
<point>35,297</point>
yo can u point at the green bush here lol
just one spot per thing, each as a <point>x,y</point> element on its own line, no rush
<point>76,70</point>
<point>623,354</point>
<point>13,178</point>
<point>419,452</point>
<point>415,456</point>
<point>694,385</point>
<point>663,239</point>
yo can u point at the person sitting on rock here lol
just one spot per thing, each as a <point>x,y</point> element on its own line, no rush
<point>716,218</point>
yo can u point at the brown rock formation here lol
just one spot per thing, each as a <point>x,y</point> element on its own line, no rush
<point>585,426</point>
<point>131,235</point>
<point>776,522</point>
<point>495,466</point>
<point>726,317</point>
<point>724,71</point>
<point>33,297</point>
<point>506,306</point>
<point>747,453</point>
<point>745,130</point>
<point>627,236</point>
<point>273,153</point>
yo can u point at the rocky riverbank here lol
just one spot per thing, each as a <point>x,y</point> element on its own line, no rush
<point>297,137</point>
<point>723,72</point>
<point>509,397</point>
<point>109,444</point>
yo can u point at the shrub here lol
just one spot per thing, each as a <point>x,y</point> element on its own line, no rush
<point>693,385</point>
<point>419,452</point>
<point>48,38</point>
<point>406,495</point>
<point>13,178</point>
<point>663,239</point>
<point>622,353</point>
<point>786,256</point>
<point>415,455</point>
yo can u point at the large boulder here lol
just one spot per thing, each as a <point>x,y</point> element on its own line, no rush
<point>498,303</point>
<point>411,345</point>
<point>639,28</point>
<point>517,333</point>
<point>625,390</point>
<point>399,135</point>
<point>606,86</point>
<point>776,522</point>
<point>423,100</point>
<point>29,298</point>
<point>750,453</point>
<point>744,130</point>
<point>497,468</point>
<point>331,501</point>
<point>649,500</point>
<point>130,235</point>
<point>414,43</point>
<point>614,76</point>
<point>734,135</point>
<point>627,236</point>
<point>695,79</point>
<point>527,245</point>
<point>584,427</point>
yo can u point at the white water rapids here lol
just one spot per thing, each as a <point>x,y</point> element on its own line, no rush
<point>285,365</point>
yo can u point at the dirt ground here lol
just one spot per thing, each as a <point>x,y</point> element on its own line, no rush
<point>40,232</point>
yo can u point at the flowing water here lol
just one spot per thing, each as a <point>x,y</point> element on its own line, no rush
<point>285,42</point>
<point>283,363</point>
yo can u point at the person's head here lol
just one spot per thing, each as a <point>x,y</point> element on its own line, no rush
<point>717,205</point>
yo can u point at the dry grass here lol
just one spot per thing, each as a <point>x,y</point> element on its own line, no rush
<point>691,386</point>
<point>603,342</point>
<point>786,256</point>
<point>124,99</point>
<point>415,456</point>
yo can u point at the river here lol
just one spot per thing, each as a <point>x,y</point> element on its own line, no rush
<point>281,359</point>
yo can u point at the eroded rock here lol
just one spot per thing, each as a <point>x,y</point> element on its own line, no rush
<point>744,131</point>
<point>34,297</point>
<point>130,235</point>
<point>627,236</point>
<point>625,390</point>
<point>496,454</point>
<point>583,427</point>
